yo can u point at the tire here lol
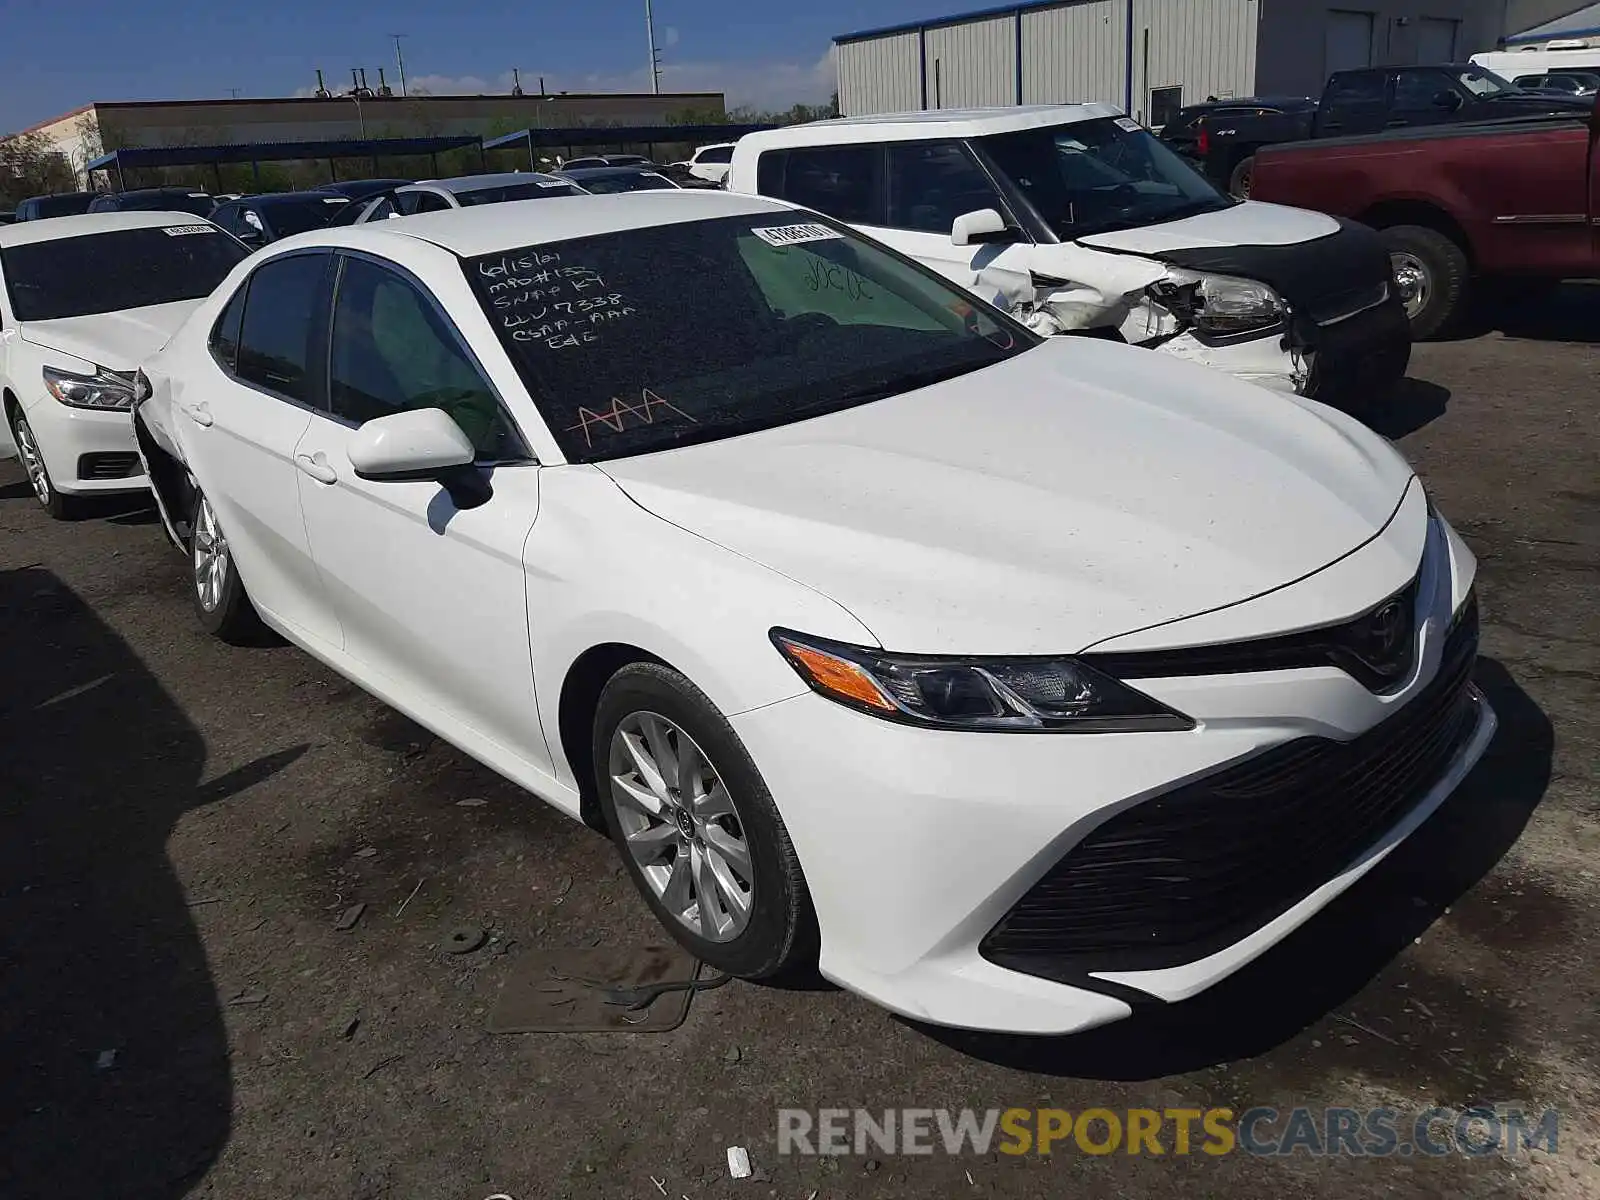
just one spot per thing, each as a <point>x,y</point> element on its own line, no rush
<point>1432,273</point>
<point>1240,179</point>
<point>60,506</point>
<point>219,597</point>
<point>777,932</point>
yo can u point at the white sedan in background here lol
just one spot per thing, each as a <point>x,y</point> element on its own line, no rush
<point>879,632</point>
<point>465,191</point>
<point>83,300</point>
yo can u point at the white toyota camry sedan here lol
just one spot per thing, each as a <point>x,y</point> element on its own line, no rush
<point>83,300</point>
<point>1014,682</point>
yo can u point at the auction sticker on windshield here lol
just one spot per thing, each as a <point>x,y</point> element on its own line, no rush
<point>1127,123</point>
<point>183,230</point>
<point>789,235</point>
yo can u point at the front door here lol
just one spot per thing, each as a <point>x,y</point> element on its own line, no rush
<point>927,186</point>
<point>432,599</point>
<point>240,425</point>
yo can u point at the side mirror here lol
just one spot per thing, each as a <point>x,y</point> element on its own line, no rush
<point>424,444</point>
<point>984,225</point>
<point>1447,99</point>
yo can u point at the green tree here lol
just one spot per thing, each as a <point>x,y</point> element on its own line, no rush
<point>30,165</point>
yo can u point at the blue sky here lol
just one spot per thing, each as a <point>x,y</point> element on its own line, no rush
<point>56,55</point>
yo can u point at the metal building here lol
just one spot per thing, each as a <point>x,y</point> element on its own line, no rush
<point>1148,56</point>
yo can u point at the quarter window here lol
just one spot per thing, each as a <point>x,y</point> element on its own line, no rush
<point>933,183</point>
<point>392,351</point>
<point>275,335</point>
<point>225,334</point>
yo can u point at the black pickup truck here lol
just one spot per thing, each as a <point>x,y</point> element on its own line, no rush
<point>1222,137</point>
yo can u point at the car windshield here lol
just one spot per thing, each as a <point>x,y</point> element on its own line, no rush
<point>107,272</point>
<point>651,338</point>
<point>532,190</point>
<point>1485,84</point>
<point>1100,175</point>
<point>629,181</point>
<point>289,217</point>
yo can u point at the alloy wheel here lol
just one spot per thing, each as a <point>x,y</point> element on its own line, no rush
<point>1412,280</point>
<point>681,826</point>
<point>32,460</point>
<point>210,557</point>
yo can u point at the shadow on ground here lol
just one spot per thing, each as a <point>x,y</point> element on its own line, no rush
<point>1534,312</point>
<point>112,1044</point>
<point>1412,404</point>
<point>1334,955</point>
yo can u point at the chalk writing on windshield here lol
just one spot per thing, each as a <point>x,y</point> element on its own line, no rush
<point>649,409</point>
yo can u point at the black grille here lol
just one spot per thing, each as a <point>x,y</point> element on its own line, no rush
<point>1181,876</point>
<point>118,465</point>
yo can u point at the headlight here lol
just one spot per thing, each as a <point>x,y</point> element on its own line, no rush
<point>1014,695</point>
<point>104,389</point>
<point>1221,304</point>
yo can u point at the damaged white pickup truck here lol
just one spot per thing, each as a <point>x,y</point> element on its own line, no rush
<point>1078,220</point>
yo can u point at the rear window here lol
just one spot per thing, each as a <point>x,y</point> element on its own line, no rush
<point>127,268</point>
<point>289,217</point>
<point>532,190</point>
<point>56,206</point>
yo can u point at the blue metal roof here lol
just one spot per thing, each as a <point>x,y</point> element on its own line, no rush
<point>617,135</point>
<point>1004,10</point>
<point>1583,23</point>
<point>185,156</point>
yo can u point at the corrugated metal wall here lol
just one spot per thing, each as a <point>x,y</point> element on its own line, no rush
<point>1208,47</point>
<point>973,63</point>
<point>880,75</point>
<point>1075,52</point>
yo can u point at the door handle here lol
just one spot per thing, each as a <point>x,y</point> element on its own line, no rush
<point>200,414</point>
<point>317,467</point>
<point>1396,122</point>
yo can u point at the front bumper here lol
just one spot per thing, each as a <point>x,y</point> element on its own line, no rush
<point>1360,358</point>
<point>918,843</point>
<point>87,450</point>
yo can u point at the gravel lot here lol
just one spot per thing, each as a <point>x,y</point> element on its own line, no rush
<point>183,823</point>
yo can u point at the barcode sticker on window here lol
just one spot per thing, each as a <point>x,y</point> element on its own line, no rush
<point>181,230</point>
<point>788,235</point>
<point>1128,123</point>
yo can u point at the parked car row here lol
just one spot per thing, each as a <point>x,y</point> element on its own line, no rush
<point>639,499</point>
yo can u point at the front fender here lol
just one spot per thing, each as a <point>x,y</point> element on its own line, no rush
<point>602,570</point>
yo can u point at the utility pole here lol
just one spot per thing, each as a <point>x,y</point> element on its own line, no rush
<point>400,61</point>
<point>655,61</point>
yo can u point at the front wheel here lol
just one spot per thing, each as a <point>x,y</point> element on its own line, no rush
<point>1239,181</point>
<point>219,596</point>
<point>59,506</point>
<point>1430,272</point>
<point>697,828</point>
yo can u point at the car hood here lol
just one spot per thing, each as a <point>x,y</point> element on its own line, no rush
<point>1078,491</point>
<point>119,340</point>
<point>1249,224</point>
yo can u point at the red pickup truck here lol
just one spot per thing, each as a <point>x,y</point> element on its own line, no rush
<point>1509,201</point>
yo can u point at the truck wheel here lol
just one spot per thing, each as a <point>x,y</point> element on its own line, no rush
<point>1430,271</point>
<point>1239,181</point>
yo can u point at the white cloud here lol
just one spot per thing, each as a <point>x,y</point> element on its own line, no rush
<point>765,85</point>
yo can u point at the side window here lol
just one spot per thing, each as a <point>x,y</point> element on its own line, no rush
<point>1362,87</point>
<point>228,217</point>
<point>720,154</point>
<point>392,351</point>
<point>933,183</point>
<point>842,181</point>
<point>382,210</point>
<point>225,333</point>
<point>769,172</point>
<point>275,336</point>
<point>430,202</point>
<point>1416,89</point>
<point>407,202</point>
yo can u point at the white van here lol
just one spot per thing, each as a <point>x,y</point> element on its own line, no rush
<point>1075,218</point>
<point>1550,59</point>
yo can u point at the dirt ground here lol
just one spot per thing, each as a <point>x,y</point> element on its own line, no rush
<point>184,823</point>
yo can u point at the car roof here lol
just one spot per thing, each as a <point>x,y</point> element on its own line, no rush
<point>269,198</point>
<point>608,172</point>
<point>47,229</point>
<point>472,183</point>
<point>941,123</point>
<point>161,191</point>
<point>490,228</point>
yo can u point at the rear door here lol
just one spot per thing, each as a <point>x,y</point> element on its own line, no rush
<point>1353,102</point>
<point>240,423</point>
